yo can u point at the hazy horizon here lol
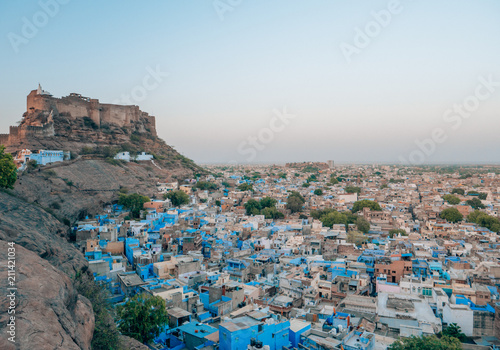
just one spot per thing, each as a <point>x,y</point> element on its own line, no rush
<point>363,82</point>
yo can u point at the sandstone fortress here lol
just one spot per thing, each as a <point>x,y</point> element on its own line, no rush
<point>42,108</point>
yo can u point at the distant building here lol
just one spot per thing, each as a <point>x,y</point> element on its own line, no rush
<point>42,157</point>
<point>125,156</point>
<point>144,156</point>
<point>331,164</point>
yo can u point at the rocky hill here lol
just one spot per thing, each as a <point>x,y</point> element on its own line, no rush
<point>49,312</point>
<point>94,133</point>
<point>85,127</point>
<point>35,215</point>
<point>73,190</point>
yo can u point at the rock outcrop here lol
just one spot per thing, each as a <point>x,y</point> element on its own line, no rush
<point>33,228</point>
<point>49,313</point>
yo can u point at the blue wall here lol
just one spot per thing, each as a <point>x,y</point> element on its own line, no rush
<point>274,335</point>
<point>294,337</point>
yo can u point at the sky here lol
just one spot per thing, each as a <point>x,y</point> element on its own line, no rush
<point>273,81</point>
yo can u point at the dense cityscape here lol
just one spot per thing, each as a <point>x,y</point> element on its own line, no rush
<point>307,255</point>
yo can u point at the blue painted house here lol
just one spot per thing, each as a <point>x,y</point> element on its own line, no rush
<point>236,334</point>
<point>297,327</point>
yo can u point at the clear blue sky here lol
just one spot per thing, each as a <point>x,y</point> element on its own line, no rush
<point>226,76</point>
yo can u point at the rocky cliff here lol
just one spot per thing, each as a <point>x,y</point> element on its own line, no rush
<point>33,228</point>
<point>49,311</point>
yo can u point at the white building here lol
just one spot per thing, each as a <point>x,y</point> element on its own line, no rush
<point>144,156</point>
<point>125,156</point>
<point>460,314</point>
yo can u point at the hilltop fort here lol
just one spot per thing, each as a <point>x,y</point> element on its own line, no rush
<point>42,108</point>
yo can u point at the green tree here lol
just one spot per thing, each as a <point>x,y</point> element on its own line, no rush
<point>352,189</point>
<point>480,195</point>
<point>459,191</point>
<point>365,203</point>
<point>272,213</point>
<point>473,217</point>
<point>205,185</point>
<point>218,203</point>
<point>453,330</point>
<point>245,187</point>
<point>451,199</point>
<point>350,217</point>
<point>134,202</point>
<point>312,178</point>
<point>451,215</point>
<point>143,317</point>
<point>318,213</point>
<point>295,202</point>
<point>426,342</point>
<point>177,198</point>
<point>252,207</point>
<point>482,219</point>
<point>333,180</point>
<point>333,218</point>
<point>298,195</point>
<point>8,171</point>
<point>362,224</point>
<point>267,202</point>
<point>318,192</point>
<point>475,203</point>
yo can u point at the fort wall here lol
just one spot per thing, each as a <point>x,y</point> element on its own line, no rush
<point>76,106</point>
<point>18,133</point>
<point>4,139</point>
